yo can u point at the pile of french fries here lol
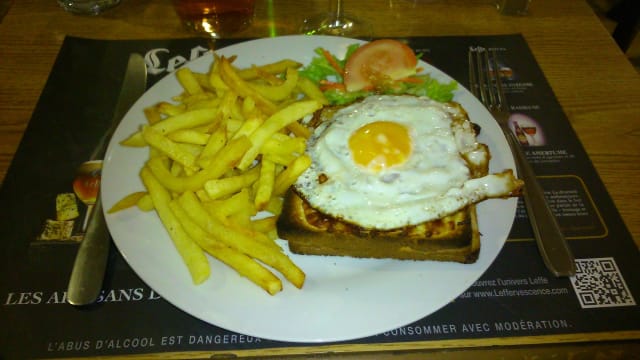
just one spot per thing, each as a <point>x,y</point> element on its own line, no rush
<point>223,150</point>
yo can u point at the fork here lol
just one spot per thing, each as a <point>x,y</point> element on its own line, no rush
<point>486,85</point>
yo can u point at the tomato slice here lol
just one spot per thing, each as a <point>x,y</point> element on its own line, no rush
<point>378,61</point>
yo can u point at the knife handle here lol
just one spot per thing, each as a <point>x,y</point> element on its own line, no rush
<point>551,242</point>
<point>89,267</point>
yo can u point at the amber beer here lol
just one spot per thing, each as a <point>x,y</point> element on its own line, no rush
<point>217,18</point>
<point>86,185</point>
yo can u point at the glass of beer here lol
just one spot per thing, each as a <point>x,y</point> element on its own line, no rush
<point>215,18</point>
<point>86,185</point>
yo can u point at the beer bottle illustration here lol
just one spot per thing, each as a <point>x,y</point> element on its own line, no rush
<point>522,138</point>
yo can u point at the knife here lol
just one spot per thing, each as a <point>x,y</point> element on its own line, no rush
<point>90,264</point>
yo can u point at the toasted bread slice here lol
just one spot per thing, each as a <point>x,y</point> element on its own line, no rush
<point>453,238</point>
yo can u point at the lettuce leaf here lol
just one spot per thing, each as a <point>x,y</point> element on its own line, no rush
<point>320,69</point>
<point>338,97</point>
<point>430,87</point>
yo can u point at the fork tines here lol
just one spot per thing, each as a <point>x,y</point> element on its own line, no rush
<point>484,78</point>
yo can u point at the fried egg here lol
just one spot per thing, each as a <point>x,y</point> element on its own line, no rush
<point>393,161</point>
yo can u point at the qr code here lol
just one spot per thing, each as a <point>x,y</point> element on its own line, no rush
<point>599,283</point>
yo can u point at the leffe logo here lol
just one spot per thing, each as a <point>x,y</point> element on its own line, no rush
<point>160,61</point>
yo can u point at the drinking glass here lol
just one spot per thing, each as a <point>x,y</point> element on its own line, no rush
<point>335,23</point>
<point>87,7</point>
<point>86,185</point>
<point>215,18</point>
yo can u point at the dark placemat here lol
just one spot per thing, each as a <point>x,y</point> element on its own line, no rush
<point>516,299</point>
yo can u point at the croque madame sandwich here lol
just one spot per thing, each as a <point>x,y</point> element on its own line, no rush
<point>392,177</point>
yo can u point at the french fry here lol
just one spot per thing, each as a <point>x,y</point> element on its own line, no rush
<point>127,202</point>
<point>279,159</point>
<point>241,241</point>
<point>192,255</point>
<point>288,176</point>
<point>249,108</point>
<point>203,81</point>
<point>238,261</point>
<point>275,123</point>
<point>212,103</point>
<point>272,68</point>
<point>184,120</point>
<point>216,141</point>
<point>152,114</point>
<point>170,148</point>
<point>266,180</point>
<point>223,208</point>
<point>218,188</point>
<point>234,151</point>
<point>202,195</point>
<point>176,169</point>
<point>134,140</point>
<point>145,203</point>
<point>224,149</point>
<point>233,125</point>
<point>266,226</point>
<point>275,205</point>
<point>311,90</point>
<point>189,136</point>
<point>193,149</point>
<point>298,130</point>
<point>188,81</point>
<point>282,151</point>
<point>266,77</point>
<point>169,109</point>
<point>241,219</point>
<point>283,144</point>
<point>237,84</point>
<point>228,104</point>
<point>219,86</point>
<point>248,127</point>
<point>187,120</point>
<point>278,92</point>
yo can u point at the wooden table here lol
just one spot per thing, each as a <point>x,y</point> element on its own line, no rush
<point>596,85</point>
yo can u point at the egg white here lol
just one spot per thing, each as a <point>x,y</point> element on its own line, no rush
<point>415,191</point>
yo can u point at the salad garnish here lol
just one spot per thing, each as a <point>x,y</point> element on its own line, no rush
<point>383,66</point>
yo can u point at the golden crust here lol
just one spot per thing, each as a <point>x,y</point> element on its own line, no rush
<point>308,231</point>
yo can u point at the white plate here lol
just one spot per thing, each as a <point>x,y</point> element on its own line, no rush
<point>343,298</point>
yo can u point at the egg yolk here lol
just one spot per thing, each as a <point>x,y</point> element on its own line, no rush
<point>380,145</point>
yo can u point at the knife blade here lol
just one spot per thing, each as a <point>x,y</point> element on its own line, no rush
<point>90,264</point>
